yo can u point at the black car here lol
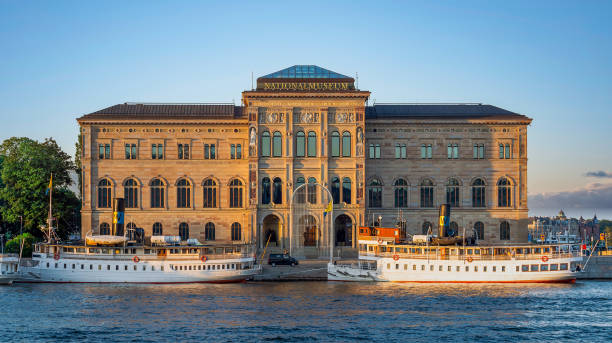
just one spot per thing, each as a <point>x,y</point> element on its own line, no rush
<point>279,259</point>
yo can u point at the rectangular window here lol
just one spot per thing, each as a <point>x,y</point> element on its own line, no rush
<point>535,267</point>
<point>525,268</point>
<point>104,152</point>
<point>130,152</point>
<point>157,151</point>
<point>508,151</point>
<point>233,151</point>
<point>503,269</point>
<point>554,267</point>
<point>238,151</point>
<point>481,150</point>
<point>544,268</point>
<point>375,151</point>
<point>312,144</point>
<point>563,266</point>
<point>183,151</point>
<point>426,151</point>
<point>400,150</point>
<point>452,151</point>
<point>210,152</point>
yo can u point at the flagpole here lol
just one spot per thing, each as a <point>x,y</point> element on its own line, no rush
<point>50,218</point>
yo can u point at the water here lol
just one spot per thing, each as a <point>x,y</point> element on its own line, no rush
<point>306,311</point>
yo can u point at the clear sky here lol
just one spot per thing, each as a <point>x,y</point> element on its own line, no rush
<point>550,60</point>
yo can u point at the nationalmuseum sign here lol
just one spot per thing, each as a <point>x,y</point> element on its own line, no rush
<point>306,86</point>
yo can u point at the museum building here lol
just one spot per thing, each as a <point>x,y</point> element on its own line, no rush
<point>226,173</point>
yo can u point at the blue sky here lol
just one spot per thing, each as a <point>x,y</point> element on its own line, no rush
<point>550,60</point>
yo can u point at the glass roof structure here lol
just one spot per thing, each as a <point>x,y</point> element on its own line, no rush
<point>305,72</point>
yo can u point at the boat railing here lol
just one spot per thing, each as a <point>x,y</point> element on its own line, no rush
<point>151,256</point>
<point>481,257</point>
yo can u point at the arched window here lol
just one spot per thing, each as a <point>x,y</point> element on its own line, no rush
<point>504,193</point>
<point>236,232</point>
<point>335,190</point>
<point>312,190</point>
<point>277,144</point>
<point>375,193</point>
<point>209,231</point>
<point>157,193</point>
<point>335,144</point>
<point>157,229</point>
<point>400,193</point>
<point>479,227</point>
<point>346,190</point>
<point>504,231</point>
<point>265,144</point>
<point>300,144</point>
<point>453,229</point>
<point>452,193</point>
<point>478,193</point>
<point>104,194</point>
<point>183,194</point>
<point>301,196</point>
<point>277,193</point>
<point>427,193</point>
<point>130,193</point>
<point>266,195</point>
<point>209,192</point>
<point>312,144</point>
<point>346,144</point>
<point>184,231</point>
<point>104,229</point>
<point>235,187</point>
<point>427,228</point>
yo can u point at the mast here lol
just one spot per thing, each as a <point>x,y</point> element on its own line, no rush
<point>50,217</point>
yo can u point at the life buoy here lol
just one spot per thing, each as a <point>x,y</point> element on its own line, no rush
<point>203,259</point>
<point>470,259</point>
<point>395,257</point>
<point>544,258</point>
<point>380,241</point>
<point>56,255</point>
<point>136,259</point>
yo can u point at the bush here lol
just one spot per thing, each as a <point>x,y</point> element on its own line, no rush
<point>13,245</point>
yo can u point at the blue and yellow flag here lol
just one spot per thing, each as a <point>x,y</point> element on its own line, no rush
<point>328,208</point>
<point>50,185</point>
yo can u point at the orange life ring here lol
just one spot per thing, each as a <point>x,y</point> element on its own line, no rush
<point>544,258</point>
<point>56,255</point>
<point>395,257</point>
<point>136,259</point>
<point>470,259</point>
<point>380,241</point>
<point>203,259</point>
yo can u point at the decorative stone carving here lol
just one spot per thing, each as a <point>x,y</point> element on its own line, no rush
<point>253,137</point>
<point>343,117</point>
<point>307,118</point>
<point>272,118</point>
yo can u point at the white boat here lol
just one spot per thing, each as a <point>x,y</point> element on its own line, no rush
<point>9,266</point>
<point>140,264</point>
<point>385,256</point>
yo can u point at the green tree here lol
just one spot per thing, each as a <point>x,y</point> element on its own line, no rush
<point>26,168</point>
<point>13,245</point>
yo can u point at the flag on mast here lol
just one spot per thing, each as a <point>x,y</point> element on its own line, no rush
<point>328,208</point>
<point>50,185</point>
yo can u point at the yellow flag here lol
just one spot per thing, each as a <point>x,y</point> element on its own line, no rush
<point>51,182</point>
<point>328,208</point>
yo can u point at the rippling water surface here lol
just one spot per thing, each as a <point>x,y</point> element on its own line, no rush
<point>306,311</point>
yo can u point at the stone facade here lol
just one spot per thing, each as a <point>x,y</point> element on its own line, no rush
<point>295,127</point>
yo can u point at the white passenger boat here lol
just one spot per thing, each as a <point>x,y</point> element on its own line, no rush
<point>8,268</point>
<point>140,264</point>
<point>385,254</point>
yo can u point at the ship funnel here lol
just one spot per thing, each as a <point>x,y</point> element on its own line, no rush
<point>444,220</point>
<point>118,214</point>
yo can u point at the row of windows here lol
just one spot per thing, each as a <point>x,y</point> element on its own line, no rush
<point>524,268</point>
<point>452,151</point>
<point>157,151</point>
<point>271,145</point>
<point>453,230</point>
<point>157,230</point>
<point>272,191</point>
<point>183,193</point>
<point>426,193</point>
<point>143,267</point>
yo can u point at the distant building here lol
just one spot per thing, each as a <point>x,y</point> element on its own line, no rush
<point>589,229</point>
<point>219,172</point>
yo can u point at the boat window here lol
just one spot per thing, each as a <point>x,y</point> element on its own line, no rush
<point>147,251</point>
<point>469,251</point>
<point>47,264</point>
<point>162,268</point>
<point>546,250</point>
<point>64,265</point>
<point>116,267</point>
<point>125,267</point>
<point>152,268</point>
<point>525,268</point>
<point>554,267</point>
<point>135,268</point>
<point>527,251</point>
<point>422,267</point>
<point>535,267</point>
<point>90,266</point>
<point>144,267</point>
<point>81,250</point>
<point>537,250</point>
<point>476,251</point>
<point>519,251</point>
<point>484,269</point>
<point>458,269</point>
<point>73,266</point>
<point>431,267</point>
<point>544,268</point>
<point>563,266</point>
<point>396,266</point>
<point>233,266</point>
<point>503,268</point>
<point>475,268</point>
<point>219,251</point>
<point>108,267</point>
<point>414,267</point>
<point>517,268</point>
<point>388,265</point>
<point>440,268</point>
<point>105,251</point>
<point>405,267</point>
<point>460,251</point>
<point>450,268</point>
<point>467,268</point>
<point>494,268</point>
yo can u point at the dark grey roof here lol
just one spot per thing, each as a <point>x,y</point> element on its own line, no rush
<point>154,110</point>
<point>437,111</point>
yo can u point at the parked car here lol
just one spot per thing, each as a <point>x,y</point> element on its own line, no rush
<point>279,259</point>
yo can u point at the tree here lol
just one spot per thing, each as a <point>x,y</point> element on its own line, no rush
<point>14,245</point>
<point>26,168</point>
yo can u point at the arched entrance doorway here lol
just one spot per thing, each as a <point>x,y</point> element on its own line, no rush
<point>271,230</point>
<point>343,227</point>
<point>310,231</point>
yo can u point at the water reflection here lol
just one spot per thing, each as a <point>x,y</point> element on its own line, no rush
<point>306,311</point>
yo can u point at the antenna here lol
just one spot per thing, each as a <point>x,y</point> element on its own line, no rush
<point>251,80</point>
